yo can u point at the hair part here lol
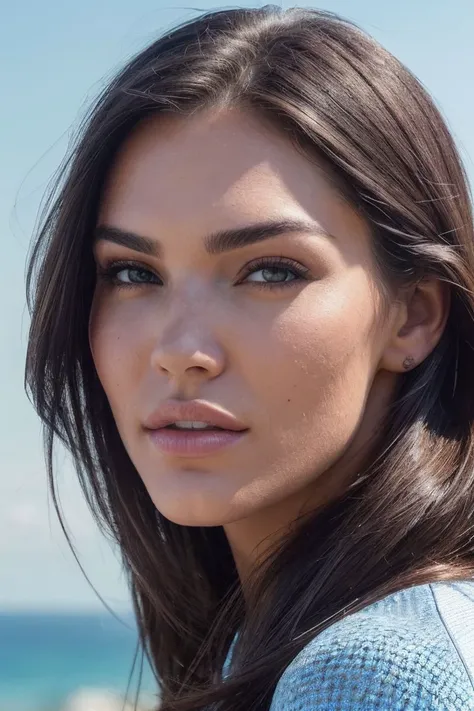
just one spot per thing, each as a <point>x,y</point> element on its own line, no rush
<point>407,517</point>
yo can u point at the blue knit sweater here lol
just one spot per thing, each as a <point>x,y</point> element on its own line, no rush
<point>412,651</point>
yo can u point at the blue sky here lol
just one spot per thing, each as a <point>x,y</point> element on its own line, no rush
<point>54,56</point>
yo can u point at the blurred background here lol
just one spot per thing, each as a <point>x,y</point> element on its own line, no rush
<point>60,648</point>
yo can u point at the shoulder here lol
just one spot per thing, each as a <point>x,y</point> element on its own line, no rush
<point>396,654</point>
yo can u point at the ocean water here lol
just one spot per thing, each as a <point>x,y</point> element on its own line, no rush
<point>46,657</point>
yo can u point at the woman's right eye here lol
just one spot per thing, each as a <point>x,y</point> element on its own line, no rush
<point>127,275</point>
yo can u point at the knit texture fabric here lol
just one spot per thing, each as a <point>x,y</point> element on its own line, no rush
<point>411,651</point>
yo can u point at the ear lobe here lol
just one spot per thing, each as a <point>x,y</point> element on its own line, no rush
<point>418,324</point>
<point>409,363</point>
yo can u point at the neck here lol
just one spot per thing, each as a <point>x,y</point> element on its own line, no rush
<point>252,538</point>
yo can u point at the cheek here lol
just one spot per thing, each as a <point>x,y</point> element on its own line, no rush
<point>116,340</point>
<point>314,365</point>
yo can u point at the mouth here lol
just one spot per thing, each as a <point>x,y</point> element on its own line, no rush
<point>184,426</point>
<point>194,440</point>
<point>193,428</point>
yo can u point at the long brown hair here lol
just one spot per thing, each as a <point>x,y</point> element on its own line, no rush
<point>408,516</point>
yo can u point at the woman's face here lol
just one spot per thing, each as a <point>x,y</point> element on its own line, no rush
<point>283,333</point>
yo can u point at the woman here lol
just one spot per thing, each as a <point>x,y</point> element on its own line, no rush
<point>252,325</point>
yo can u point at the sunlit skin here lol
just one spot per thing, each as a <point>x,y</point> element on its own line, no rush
<point>308,363</point>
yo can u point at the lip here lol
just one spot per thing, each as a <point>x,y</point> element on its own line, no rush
<point>193,443</point>
<point>192,410</point>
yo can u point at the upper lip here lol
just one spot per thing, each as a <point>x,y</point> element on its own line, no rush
<point>192,411</point>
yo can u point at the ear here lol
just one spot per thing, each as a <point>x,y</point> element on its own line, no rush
<point>418,321</point>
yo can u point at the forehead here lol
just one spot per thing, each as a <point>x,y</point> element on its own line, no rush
<point>217,170</point>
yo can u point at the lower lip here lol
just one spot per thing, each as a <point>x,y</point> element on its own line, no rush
<point>193,443</point>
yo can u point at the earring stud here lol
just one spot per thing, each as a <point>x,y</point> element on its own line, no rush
<point>408,363</point>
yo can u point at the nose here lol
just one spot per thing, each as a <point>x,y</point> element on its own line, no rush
<point>186,351</point>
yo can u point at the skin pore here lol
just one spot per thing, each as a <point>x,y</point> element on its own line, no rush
<point>297,349</point>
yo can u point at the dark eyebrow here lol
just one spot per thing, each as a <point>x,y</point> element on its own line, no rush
<point>127,239</point>
<point>215,243</point>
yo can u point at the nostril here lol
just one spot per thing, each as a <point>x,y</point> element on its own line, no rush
<point>198,369</point>
<point>182,362</point>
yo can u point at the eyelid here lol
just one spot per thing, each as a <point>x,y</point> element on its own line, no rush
<point>275,262</point>
<point>111,263</point>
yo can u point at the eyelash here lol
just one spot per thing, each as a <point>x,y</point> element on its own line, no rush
<point>109,272</point>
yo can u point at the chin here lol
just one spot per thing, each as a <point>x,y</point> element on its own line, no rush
<point>195,496</point>
<point>193,508</point>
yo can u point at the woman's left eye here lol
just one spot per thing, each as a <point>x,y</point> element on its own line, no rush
<point>271,273</point>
